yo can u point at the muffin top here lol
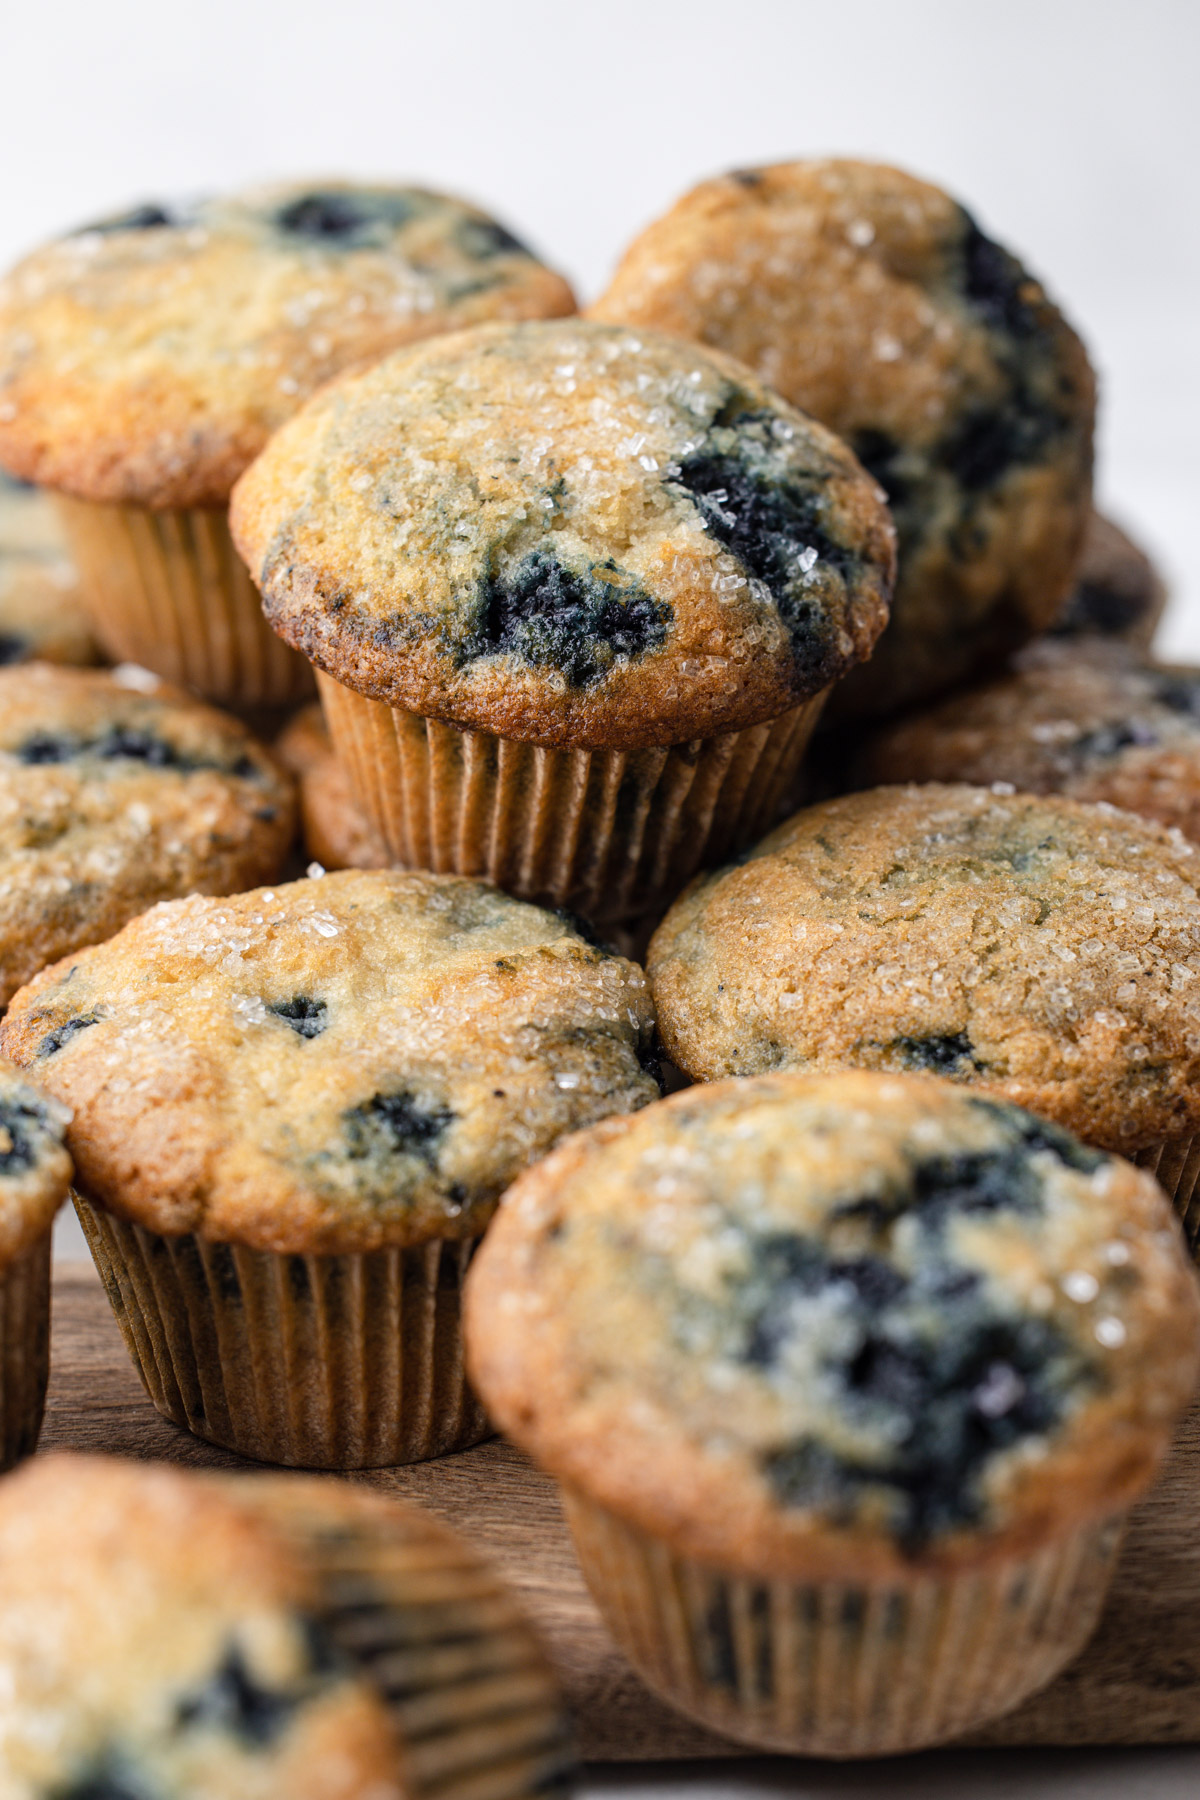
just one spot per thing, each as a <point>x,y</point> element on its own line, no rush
<point>117,791</point>
<point>568,533</point>
<point>336,1064</point>
<point>1043,949</point>
<point>875,302</point>
<point>35,1170</point>
<point>837,1325</point>
<point>1077,716</point>
<point>41,614</point>
<point>336,830</point>
<point>147,357</point>
<point>1118,592</point>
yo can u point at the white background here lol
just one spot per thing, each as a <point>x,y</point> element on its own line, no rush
<point>1072,129</point>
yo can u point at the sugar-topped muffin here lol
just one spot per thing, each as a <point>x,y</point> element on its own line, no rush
<point>1076,716</point>
<point>819,1358</point>
<point>116,792</point>
<point>1040,948</point>
<point>566,537</point>
<point>41,615</point>
<point>146,358</point>
<point>230,1638</point>
<point>314,1095</point>
<point>35,1172</point>
<point>875,302</point>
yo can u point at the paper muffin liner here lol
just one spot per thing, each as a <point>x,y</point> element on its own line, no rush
<point>318,1362</point>
<point>1175,1165</point>
<point>613,834</point>
<point>24,1350</point>
<point>441,1639</point>
<point>842,1669</point>
<point>169,591</point>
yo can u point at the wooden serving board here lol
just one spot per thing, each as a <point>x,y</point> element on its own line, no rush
<point>1137,1683</point>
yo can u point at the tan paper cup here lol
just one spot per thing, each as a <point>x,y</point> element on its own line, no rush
<point>833,1668</point>
<point>1175,1165</point>
<point>24,1351</point>
<point>612,834</point>
<point>319,1362</point>
<point>169,591</point>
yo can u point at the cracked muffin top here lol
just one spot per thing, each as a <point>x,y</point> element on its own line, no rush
<point>568,533</point>
<point>117,791</point>
<point>337,1064</point>
<point>1118,592</point>
<point>198,1637</point>
<point>147,357</point>
<point>35,1170</point>
<point>849,1324</point>
<point>1044,949</point>
<point>875,302</point>
<point>41,615</point>
<point>1075,716</point>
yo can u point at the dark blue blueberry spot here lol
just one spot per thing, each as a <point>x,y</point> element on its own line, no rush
<point>19,1126</point>
<point>99,1784</point>
<point>883,459</point>
<point>124,743</point>
<point>747,178</point>
<point>1180,693</point>
<point>942,1054</point>
<point>988,441</point>
<point>1096,607</point>
<point>996,284</point>
<point>1110,740</point>
<point>149,216</point>
<point>62,1034</point>
<point>557,618</point>
<point>12,647</point>
<point>235,1703</point>
<point>335,217</point>
<point>396,1125</point>
<point>306,1016</point>
<point>485,238</point>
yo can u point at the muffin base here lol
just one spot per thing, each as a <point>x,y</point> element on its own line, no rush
<point>837,1669</point>
<point>613,834</point>
<point>1175,1165</point>
<point>169,591</point>
<point>317,1362</point>
<point>473,1702</point>
<point>24,1351</point>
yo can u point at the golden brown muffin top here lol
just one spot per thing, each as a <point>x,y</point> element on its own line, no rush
<point>35,1169</point>
<point>568,533</point>
<point>874,301</point>
<point>147,358</point>
<point>1075,715</point>
<point>834,1326</point>
<point>1044,950</point>
<point>332,1065</point>
<point>116,791</point>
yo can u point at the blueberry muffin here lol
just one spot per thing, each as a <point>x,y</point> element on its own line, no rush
<point>576,595</point>
<point>875,302</point>
<point>146,358</point>
<point>1118,592</point>
<point>35,1173</point>
<point>849,1380</point>
<point>336,830</point>
<point>1042,949</point>
<point>197,1637</point>
<point>1075,715</point>
<point>294,1114</point>
<point>116,792</point>
<point>41,615</point>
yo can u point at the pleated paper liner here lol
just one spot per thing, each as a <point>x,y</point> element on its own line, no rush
<point>169,591</point>
<point>612,834</point>
<point>1175,1165</point>
<point>469,1691</point>
<point>317,1362</point>
<point>835,1669</point>
<point>24,1350</point>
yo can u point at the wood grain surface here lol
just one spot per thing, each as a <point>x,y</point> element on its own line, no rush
<point>1137,1683</point>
